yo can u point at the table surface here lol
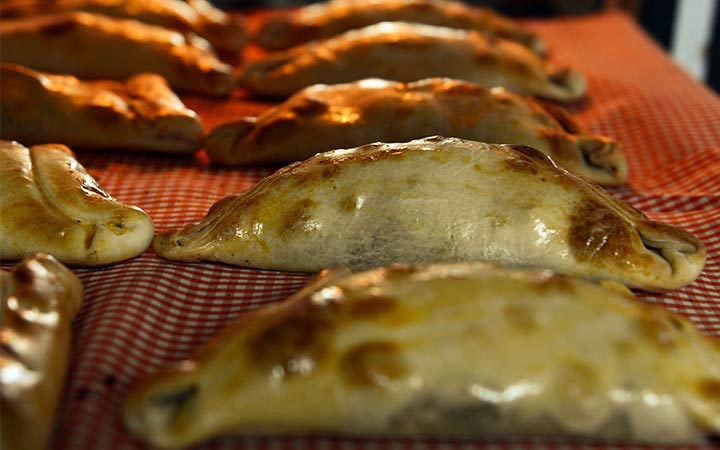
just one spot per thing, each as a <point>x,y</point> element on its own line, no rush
<point>144,313</point>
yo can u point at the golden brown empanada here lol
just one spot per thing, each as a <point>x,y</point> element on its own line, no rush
<point>39,298</point>
<point>322,117</point>
<point>408,52</point>
<point>141,113</point>
<point>225,32</point>
<point>50,204</point>
<point>324,20</point>
<point>464,350</point>
<point>95,46</point>
<point>437,200</point>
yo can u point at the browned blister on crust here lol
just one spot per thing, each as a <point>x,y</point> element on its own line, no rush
<point>404,51</point>
<point>39,299</point>
<point>437,200</point>
<point>326,117</point>
<point>50,204</point>
<point>141,113</point>
<point>94,46</point>
<point>452,351</point>
<point>324,20</point>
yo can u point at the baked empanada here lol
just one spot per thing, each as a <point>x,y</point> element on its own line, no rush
<point>437,200</point>
<point>465,350</point>
<point>408,52</point>
<point>95,46</point>
<point>225,32</point>
<point>139,114</point>
<point>322,117</point>
<point>39,299</point>
<point>324,20</point>
<point>50,204</point>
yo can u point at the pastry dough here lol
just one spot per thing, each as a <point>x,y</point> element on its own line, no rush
<point>50,204</point>
<point>408,52</point>
<point>225,32</point>
<point>324,20</point>
<point>321,118</point>
<point>447,351</point>
<point>39,297</point>
<point>139,114</point>
<point>437,200</point>
<point>94,46</point>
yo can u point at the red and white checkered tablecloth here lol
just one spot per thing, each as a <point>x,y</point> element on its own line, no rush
<point>142,314</point>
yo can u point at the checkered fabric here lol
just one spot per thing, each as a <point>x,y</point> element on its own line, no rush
<point>142,314</point>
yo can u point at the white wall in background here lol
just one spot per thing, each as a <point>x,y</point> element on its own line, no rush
<point>692,32</point>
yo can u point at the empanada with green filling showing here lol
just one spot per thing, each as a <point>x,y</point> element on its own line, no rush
<point>437,200</point>
<point>464,350</point>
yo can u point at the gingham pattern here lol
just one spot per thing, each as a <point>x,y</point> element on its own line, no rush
<point>144,313</point>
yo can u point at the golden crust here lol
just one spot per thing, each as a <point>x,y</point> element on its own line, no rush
<point>459,350</point>
<point>407,52</point>
<point>225,32</point>
<point>39,299</point>
<point>321,118</point>
<point>75,42</point>
<point>378,204</point>
<point>50,204</point>
<point>141,113</point>
<point>324,20</point>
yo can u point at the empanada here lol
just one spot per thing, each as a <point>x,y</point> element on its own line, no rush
<point>95,46</point>
<point>465,350</point>
<point>39,299</point>
<point>408,52</point>
<point>139,114</point>
<point>437,200</point>
<point>225,32</point>
<point>322,117</point>
<point>324,20</point>
<point>50,204</point>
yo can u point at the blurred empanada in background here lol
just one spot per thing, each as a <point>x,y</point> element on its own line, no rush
<point>141,113</point>
<point>326,117</point>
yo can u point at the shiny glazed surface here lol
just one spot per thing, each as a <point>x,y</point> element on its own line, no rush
<point>141,113</point>
<point>437,200</point>
<point>464,350</point>
<point>326,117</point>
<point>404,51</point>
<point>50,204</point>
<point>39,298</point>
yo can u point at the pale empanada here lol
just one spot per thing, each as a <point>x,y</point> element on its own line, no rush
<point>324,20</point>
<point>465,350</point>
<point>437,200</point>
<point>225,32</point>
<point>39,299</point>
<point>95,46</point>
<point>139,114</point>
<point>408,52</point>
<point>322,117</point>
<point>50,204</point>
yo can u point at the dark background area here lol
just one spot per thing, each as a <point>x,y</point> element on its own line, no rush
<point>656,16</point>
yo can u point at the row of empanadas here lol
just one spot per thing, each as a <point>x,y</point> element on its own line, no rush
<point>39,298</point>
<point>225,32</point>
<point>95,46</point>
<point>446,351</point>
<point>321,118</point>
<point>141,113</point>
<point>50,204</point>
<point>403,51</point>
<point>433,200</point>
<point>324,20</point>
